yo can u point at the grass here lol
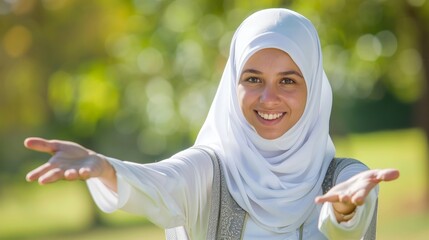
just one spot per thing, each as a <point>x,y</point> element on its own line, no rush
<point>64,210</point>
<point>123,233</point>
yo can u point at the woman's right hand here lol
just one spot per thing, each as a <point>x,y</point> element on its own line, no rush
<point>69,161</point>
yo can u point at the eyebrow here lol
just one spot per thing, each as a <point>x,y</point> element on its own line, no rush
<point>290,72</point>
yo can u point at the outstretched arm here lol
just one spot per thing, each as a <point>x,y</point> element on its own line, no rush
<point>351,193</point>
<point>69,161</point>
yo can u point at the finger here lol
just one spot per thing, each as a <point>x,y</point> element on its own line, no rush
<point>344,198</point>
<point>36,173</point>
<point>41,145</point>
<point>84,173</point>
<point>359,197</point>
<point>387,174</point>
<point>71,174</point>
<point>51,176</point>
<point>327,198</point>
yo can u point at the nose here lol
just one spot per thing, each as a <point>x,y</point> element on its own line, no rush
<point>269,95</point>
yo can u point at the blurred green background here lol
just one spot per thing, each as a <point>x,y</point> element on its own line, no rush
<point>134,80</point>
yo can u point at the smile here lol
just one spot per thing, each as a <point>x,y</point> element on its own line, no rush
<point>270,116</point>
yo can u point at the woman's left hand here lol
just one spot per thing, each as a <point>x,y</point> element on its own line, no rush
<point>351,193</point>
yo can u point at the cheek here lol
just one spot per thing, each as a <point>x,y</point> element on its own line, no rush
<point>300,103</point>
<point>297,102</point>
<point>246,100</point>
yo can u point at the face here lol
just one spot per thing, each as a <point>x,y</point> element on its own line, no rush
<point>272,92</point>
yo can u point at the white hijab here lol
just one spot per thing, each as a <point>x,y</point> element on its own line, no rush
<point>275,181</point>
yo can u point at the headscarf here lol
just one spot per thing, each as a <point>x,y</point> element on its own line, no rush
<point>277,180</point>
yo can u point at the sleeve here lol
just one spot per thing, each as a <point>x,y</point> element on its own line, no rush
<point>356,227</point>
<point>169,193</point>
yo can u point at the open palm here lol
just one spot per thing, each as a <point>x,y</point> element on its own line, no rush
<point>69,161</point>
<point>351,193</point>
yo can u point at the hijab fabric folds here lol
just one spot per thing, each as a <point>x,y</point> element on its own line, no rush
<point>275,181</point>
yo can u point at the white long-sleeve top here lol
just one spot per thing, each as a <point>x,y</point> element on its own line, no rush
<point>177,192</point>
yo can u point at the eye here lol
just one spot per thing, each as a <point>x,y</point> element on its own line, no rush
<point>253,80</point>
<point>287,81</point>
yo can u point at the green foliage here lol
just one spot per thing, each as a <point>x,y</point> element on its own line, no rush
<point>366,42</point>
<point>147,70</point>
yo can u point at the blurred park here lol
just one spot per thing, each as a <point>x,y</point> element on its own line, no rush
<point>133,79</point>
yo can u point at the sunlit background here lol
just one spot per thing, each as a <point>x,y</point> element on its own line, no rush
<point>134,80</point>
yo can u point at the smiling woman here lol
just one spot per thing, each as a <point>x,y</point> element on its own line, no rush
<point>265,142</point>
<point>272,92</point>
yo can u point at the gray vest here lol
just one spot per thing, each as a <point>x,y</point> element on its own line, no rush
<point>227,218</point>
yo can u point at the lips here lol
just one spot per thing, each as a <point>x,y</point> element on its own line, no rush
<point>270,116</point>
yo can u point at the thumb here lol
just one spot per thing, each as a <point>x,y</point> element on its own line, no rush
<point>41,145</point>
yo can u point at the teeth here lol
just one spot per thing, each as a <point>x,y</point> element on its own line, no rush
<point>270,116</point>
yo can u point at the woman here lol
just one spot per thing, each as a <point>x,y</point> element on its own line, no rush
<point>269,127</point>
